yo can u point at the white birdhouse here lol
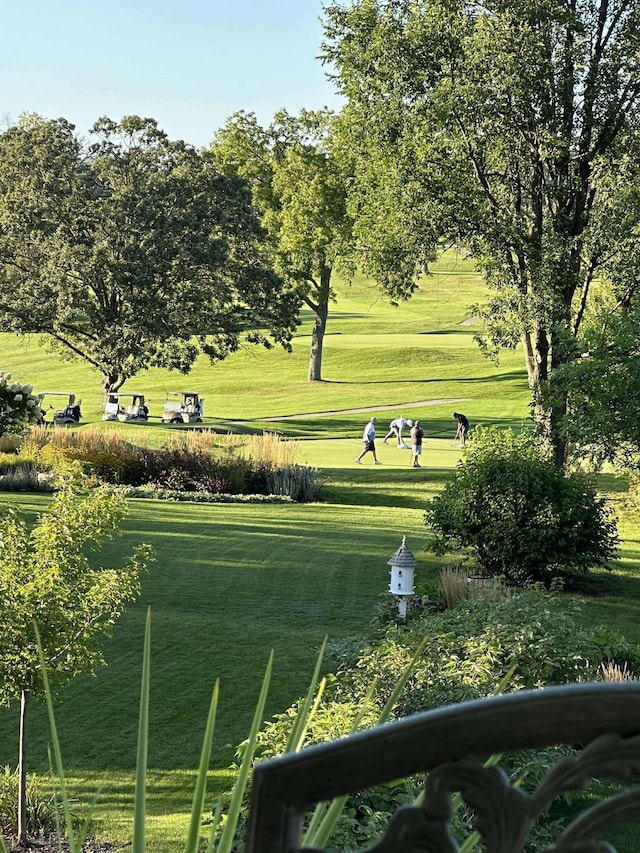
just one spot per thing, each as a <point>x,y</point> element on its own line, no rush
<point>402,564</point>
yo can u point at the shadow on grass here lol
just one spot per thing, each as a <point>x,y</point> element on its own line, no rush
<point>612,483</point>
<point>458,330</point>
<point>376,487</point>
<point>337,426</point>
<point>489,379</point>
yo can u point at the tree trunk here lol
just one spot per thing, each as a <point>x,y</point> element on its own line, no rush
<point>320,326</point>
<point>112,382</point>
<point>22,772</point>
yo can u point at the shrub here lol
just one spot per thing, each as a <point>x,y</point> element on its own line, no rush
<point>521,517</point>
<point>18,406</point>
<point>10,443</point>
<point>539,637</point>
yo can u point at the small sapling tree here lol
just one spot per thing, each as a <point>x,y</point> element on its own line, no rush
<point>46,579</point>
<point>521,516</point>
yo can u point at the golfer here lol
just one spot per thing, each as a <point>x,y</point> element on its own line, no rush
<point>369,439</point>
<point>395,428</point>
<point>463,428</point>
<point>417,434</point>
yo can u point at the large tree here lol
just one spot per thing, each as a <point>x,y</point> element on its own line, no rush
<point>518,120</point>
<point>46,578</point>
<point>131,250</point>
<point>300,184</point>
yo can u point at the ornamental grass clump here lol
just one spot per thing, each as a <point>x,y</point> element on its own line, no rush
<point>24,477</point>
<point>40,806</point>
<point>269,449</point>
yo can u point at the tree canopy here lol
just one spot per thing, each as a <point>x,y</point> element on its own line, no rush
<point>513,125</point>
<point>300,185</point>
<point>131,250</point>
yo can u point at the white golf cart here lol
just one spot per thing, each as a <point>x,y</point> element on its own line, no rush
<point>63,413</point>
<point>129,408</point>
<point>183,407</point>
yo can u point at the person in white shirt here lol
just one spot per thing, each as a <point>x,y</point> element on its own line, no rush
<point>369,439</point>
<point>395,428</point>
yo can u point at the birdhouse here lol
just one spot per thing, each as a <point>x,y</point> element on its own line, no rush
<point>402,564</point>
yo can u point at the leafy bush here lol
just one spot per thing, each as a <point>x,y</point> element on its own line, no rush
<point>533,637</point>
<point>521,517</point>
<point>18,406</point>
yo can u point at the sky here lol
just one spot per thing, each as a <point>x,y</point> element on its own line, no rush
<point>189,64</point>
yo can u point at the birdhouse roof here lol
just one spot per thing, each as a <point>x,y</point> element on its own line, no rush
<point>403,558</point>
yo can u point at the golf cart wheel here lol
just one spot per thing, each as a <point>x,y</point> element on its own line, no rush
<point>176,420</point>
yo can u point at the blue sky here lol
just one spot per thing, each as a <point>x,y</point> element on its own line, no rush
<point>189,64</point>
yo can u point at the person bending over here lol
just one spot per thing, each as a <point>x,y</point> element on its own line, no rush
<point>395,428</point>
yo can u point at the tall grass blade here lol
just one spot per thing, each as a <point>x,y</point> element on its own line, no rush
<point>322,831</point>
<point>326,814</point>
<point>400,684</point>
<point>225,844</point>
<point>307,708</point>
<point>316,702</point>
<point>217,814</point>
<point>200,791</point>
<point>74,846</point>
<point>140,803</point>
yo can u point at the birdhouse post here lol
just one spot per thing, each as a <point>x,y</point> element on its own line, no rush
<point>402,564</point>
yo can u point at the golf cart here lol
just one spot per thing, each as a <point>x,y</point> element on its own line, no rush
<point>183,407</point>
<point>128,408</point>
<point>67,413</point>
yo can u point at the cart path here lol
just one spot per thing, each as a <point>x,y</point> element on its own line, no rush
<point>398,406</point>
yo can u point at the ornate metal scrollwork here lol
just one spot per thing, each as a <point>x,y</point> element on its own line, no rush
<point>504,814</point>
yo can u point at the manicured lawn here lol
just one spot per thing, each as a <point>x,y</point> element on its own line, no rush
<point>231,582</point>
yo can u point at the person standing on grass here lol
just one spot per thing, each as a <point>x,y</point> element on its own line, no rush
<point>417,434</point>
<point>369,439</point>
<point>463,428</point>
<point>395,428</point>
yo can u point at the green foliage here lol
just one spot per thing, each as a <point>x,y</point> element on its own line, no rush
<point>463,120</point>
<point>604,386</point>
<point>157,493</point>
<point>522,518</point>
<point>536,637</point>
<point>24,477</point>
<point>299,482</point>
<point>45,574</point>
<point>176,471</point>
<point>300,187</point>
<point>131,250</point>
<point>530,637</point>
